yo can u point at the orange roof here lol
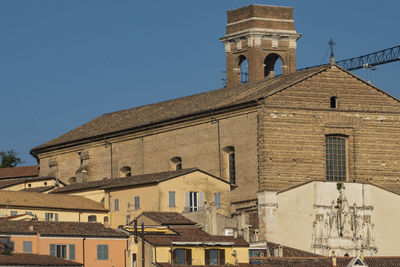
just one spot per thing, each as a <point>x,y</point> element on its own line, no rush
<point>17,172</point>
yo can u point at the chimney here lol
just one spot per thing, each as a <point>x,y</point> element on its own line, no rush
<point>256,37</point>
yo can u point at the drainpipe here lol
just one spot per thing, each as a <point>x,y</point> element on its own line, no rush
<point>143,254</point>
<point>126,252</point>
<point>83,248</point>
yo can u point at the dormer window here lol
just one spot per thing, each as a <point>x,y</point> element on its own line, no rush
<point>333,102</point>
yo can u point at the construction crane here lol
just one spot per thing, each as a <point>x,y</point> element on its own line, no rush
<point>370,60</point>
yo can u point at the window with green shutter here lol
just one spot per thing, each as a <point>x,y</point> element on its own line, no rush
<point>27,246</point>
<point>137,202</point>
<point>217,200</point>
<point>71,250</point>
<point>172,199</point>
<point>102,252</point>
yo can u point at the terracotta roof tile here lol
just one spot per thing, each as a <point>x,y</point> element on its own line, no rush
<point>39,200</point>
<point>28,259</point>
<point>289,262</point>
<point>167,218</point>
<point>131,181</point>
<point>167,264</point>
<point>18,172</point>
<point>16,181</point>
<point>290,252</point>
<point>39,189</point>
<point>191,234</point>
<point>135,118</point>
<point>383,261</point>
<point>46,228</point>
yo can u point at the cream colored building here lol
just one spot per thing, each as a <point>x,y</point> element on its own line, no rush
<point>51,207</point>
<point>322,217</point>
<point>182,191</point>
<point>34,184</point>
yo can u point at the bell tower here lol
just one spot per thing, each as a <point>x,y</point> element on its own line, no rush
<point>256,37</point>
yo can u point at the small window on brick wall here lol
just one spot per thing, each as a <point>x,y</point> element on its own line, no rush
<point>333,102</point>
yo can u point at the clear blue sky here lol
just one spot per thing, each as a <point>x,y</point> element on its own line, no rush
<point>62,63</point>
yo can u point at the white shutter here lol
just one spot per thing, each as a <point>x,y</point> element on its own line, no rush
<point>201,200</point>
<point>187,204</point>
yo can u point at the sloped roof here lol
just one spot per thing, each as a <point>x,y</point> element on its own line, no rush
<point>191,234</point>
<point>46,228</point>
<point>290,252</point>
<point>39,200</point>
<point>39,189</point>
<point>131,181</point>
<point>30,259</point>
<point>167,218</point>
<point>93,185</point>
<point>382,261</point>
<point>135,118</point>
<point>296,261</point>
<point>18,172</point>
<point>7,183</point>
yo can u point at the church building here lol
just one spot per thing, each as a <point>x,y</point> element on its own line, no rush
<point>263,133</point>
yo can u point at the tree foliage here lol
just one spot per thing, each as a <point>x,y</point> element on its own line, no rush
<point>9,159</point>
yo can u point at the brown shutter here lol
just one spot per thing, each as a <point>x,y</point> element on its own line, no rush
<point>174,256</point>
<point>207,260</point>
<point>188,256</point>
<point>221,254</point>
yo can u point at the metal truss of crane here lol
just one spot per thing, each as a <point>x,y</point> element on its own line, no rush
<point>371,60</point>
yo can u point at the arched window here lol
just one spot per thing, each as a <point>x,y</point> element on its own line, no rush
<point>175,163</point>
<point>272,65</point>
<point>125,171</point>
<point>336,158</point>
<point>92,218</point>
<point>229,168</point>
<point>243,66</point>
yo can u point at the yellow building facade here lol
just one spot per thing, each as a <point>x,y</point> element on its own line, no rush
<point>169,238</point>
<point>51,207</point>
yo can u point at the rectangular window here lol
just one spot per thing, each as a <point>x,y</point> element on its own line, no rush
<point>336,158</point>
<point>182,257</point>
<point>51,216</point>
<point>217,200</point>
<point>14,212</point>
<point>215,257</point>
<point>193,201</point>
<point>232,170</point>
<point>102,252</point>
<point>27,246</point>
<point>59,251</point>
<point>116,204</point>
<point>137,203</point>
<point>71,250</point>
<point>172,199</point>
<point>28,213</point>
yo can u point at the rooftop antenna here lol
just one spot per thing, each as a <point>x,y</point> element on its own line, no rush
<point>331,43</point>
